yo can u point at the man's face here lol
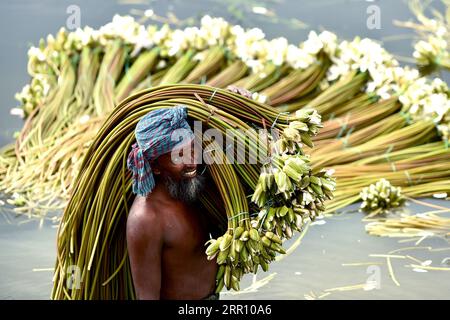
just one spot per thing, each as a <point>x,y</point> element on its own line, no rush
<point>179,164</point>
<point>178,171</point>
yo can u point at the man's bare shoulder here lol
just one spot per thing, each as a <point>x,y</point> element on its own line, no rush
<point>143,206</point>
<point>143,218</point>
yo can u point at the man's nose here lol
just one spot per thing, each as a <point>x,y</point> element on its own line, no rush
<point>191,163</point>
<point>190,167</point>
<point>194,158</point>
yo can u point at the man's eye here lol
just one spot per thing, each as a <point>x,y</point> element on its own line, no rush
<point>176,160</point>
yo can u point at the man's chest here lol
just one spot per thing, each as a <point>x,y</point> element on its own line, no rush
<point>185,230</point>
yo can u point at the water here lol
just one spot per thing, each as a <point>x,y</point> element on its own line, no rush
<point>317,265</point>
<point>27,256</point>
<point>27,247</point>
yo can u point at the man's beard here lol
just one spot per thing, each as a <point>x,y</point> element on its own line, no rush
<point>186,190</point>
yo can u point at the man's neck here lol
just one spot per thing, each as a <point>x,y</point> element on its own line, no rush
<point>161,193</point>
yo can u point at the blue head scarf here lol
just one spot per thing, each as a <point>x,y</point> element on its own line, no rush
<point>154,137</point>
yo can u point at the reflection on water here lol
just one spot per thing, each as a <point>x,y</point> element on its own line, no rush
<point>328,253</point>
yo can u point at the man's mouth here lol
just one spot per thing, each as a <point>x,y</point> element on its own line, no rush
<point>190,174</point>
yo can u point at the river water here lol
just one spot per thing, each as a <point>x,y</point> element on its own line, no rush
<point>319,267</point>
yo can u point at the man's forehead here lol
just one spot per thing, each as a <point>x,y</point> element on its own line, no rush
<point>184,145</point>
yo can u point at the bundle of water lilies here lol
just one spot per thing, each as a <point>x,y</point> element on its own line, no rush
<point>380,196</point>
<point>284,197</point>
<point>420,225</point>
<point>431,52</point>
<point>380,119</point>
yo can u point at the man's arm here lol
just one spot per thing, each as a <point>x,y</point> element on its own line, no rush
<point>145,241</point>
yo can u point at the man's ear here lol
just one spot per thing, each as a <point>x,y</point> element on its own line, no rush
<point>155,167</point>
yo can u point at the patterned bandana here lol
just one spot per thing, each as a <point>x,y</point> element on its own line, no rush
<point>157,133</point>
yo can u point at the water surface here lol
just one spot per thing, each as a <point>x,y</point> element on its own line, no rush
<point>27,247</point>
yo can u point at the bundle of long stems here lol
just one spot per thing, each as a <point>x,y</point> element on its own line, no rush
<point>110,70</point>
<point>415,134</point>
<point>350,139</point>
<point>340,92</point>
<point>180,69</point>
<point>357,118</point>
<point>210,64</point>
<point>297,83</point>
<point>261,80</point>
<point>71,110</point>
<point>432,48</point>
<point>420,170</point>
<point>151,80</point>
<point>418,225</point>
<point>235,71</point>
<point>98,208</point>
<point>41,124</point>
<point>85,83</point>
<point>141,67</point>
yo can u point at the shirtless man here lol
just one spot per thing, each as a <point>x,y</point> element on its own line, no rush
<point>166,233</point>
